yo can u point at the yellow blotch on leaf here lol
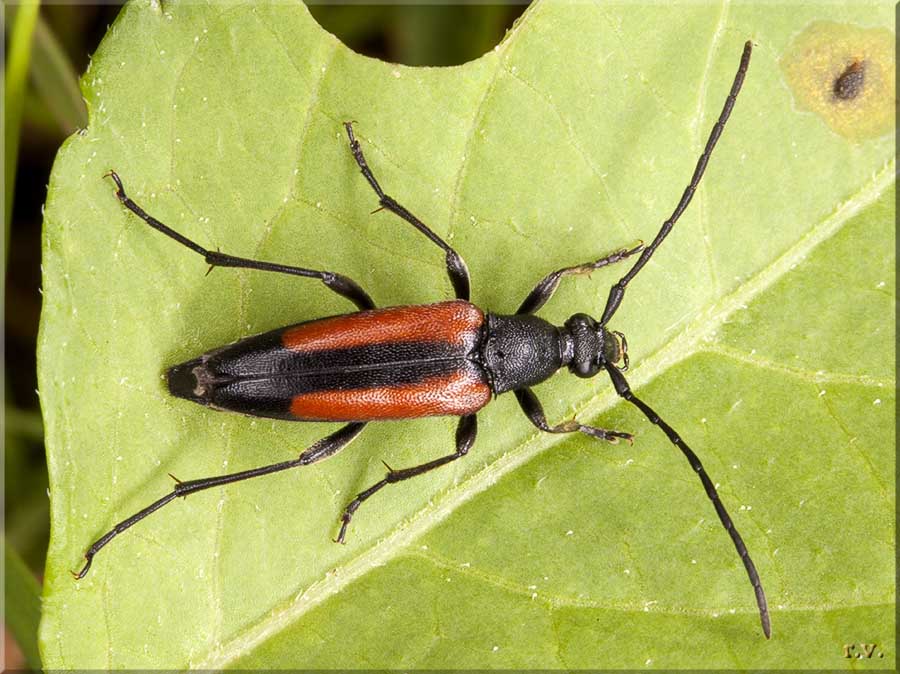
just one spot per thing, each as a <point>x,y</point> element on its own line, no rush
<point>846,75</point>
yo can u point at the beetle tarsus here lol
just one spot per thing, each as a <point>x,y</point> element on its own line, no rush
<point>78,575</point>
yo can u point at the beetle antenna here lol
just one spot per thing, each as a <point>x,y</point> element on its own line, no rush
<point>618,290</point>
<point>624,390</point>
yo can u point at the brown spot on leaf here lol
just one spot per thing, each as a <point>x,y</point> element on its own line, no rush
<point>846,75</point>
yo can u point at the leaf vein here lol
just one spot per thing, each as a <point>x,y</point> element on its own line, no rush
<point>816,377</point>
<point>697,130</point>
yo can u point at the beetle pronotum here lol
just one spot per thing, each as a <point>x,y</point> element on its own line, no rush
<point>444,359</point>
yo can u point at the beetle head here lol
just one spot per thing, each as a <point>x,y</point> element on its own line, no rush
<point>593,346</point>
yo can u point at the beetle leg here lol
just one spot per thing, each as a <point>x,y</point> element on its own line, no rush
<point>544,290</point>
<point>318,451</point>
<point>342,285</point>
<point>532,408</point>
<point>465,438</point>
<point>456,267</point>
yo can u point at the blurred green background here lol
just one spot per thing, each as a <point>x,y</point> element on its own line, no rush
<point>46,49</point>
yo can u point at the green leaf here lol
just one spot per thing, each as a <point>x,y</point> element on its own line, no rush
<point>763,331</point>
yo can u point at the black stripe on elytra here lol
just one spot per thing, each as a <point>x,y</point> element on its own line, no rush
<point>266,355</point>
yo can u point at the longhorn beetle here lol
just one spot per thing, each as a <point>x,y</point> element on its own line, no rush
<point>443,359</point>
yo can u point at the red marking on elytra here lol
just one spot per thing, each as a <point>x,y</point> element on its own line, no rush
<point>455,322</point>
<point>461,392</point>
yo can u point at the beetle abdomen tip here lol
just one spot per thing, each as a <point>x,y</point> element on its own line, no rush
<point>183,382</point>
